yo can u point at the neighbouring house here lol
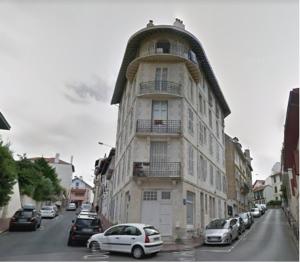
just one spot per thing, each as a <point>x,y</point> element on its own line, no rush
<point>275,180</point>
<point>104,170</point>
<point>64,171</point>
<point>290,156</point>
<point>14,203</point>
<point>262,192</point>
<point>170,143</point>
<point>81,192</point>
<point>239,177</point>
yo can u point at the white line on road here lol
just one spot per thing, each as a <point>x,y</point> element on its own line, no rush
<point>96,256</point>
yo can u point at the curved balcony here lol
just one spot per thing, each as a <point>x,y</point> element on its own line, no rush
<point>156,169</point>
<point>160,87</point>
<point>170,55</point>
<point>158,126</point>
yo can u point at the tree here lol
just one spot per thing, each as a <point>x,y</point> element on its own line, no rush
<point>7,173</point>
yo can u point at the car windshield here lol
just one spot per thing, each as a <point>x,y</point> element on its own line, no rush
<point>46,208</point>
<point>86,206</point>
<point>86,222</point>
<point>151,230</point>
<point>218,224</point>
<point>244,216</point>
<point>23,214</point>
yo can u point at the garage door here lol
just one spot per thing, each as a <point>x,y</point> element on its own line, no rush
<point>157,210</point>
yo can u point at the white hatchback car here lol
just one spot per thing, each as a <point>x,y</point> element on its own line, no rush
<point>135,239</point>
<point>48,211</point>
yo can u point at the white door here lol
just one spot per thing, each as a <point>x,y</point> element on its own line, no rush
<point>158,212</point>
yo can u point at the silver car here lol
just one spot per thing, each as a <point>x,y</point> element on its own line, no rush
<point>255,212</point>
<point>221,231</point>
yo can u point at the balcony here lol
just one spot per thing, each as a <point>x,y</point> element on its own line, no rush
<point>159,88</point>
<point>158,126</point>
<point>157,169</point>
<point>173,54</point>
<point>244,189</point>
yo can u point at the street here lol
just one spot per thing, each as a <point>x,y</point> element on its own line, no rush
<point>269,239</point>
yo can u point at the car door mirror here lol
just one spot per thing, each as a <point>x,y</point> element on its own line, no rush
<point>73,221</point>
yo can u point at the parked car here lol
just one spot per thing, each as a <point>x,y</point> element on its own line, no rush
<point>25,219</point>
<point>55,209</point>
<point>261,208</point>
<point>241,225</point>
<point>141,240</point>
<point>48,211</point>
<point>86,208</point>
<point>255,212</point>
<point>246,219</point>
<point>71,207</point>
<point>83,228</point>
<point>264,206</point>
<point>251,217</point>
<point>94,214</point>
<point>221,231</point>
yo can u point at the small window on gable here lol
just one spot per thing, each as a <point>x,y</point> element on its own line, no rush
<point>163,46</point>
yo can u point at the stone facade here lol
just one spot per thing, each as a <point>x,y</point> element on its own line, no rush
<point>239,177</point>
<point>170,146</point>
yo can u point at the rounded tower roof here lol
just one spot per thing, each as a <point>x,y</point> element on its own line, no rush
<point>177,29</point>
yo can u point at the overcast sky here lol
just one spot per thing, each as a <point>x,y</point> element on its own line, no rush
<point>59,62</point>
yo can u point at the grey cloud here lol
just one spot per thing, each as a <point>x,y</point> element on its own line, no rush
<point>84,92</point>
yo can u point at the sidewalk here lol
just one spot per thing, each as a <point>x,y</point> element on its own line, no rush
<point>185,245</point>
<point>4,224</point>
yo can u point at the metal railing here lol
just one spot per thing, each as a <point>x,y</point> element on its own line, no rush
<point>159,126</point>
<point>177,50</point>
<point>163,86</point>
<point>156,169</point>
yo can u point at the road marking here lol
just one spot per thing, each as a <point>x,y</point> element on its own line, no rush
<point>101,255</point>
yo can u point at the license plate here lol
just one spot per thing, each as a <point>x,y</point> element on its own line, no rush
<point>156,239</point>
<point>22,220</point>
<point>87,230</point>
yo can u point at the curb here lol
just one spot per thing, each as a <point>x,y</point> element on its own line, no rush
<point>180,249</point>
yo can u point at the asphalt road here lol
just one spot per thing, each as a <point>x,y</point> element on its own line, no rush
<point>269,239</point>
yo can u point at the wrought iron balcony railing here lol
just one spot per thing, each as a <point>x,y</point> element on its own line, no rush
<point>156,169</point>
<point>159,126</point>
<point>177,50</point>
<point>157,87</point>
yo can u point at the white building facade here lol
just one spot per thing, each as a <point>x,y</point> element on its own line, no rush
<point>170,156</point>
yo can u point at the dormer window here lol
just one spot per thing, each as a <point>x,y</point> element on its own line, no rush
<point>162,46</point>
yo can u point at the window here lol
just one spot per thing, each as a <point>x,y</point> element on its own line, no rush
<point>274,179</point>
<point>204,135</point>
<point>158,152</point>
<point>163,46</point>
<point>210,118</point>
<point>204,167</point>
<point>217,129</point>
<point>114,231</point>
<point>150,196</point>
<point>159,110</point>
<point>191,160</point>
<point>190,204</point>
<point>201,128</point>
<point>161,77</point>
<point>166,195</point>
<point>205,203</point>
<point>204,107</point>
<point>131,121</point>
<point>191,121</point>
<point>77,184</point>
<point>191,90</point>
<point>129,160</point>
<point>211,144</point>
<point>210,99</point>
<point>211,172</point>
<point>200,104</point>
<point>131,231</point>
<point>124,167</point>
<point>219,208</point>
<point>275,189</point>
<point>217,111</point>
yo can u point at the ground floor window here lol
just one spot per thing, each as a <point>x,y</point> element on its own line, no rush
<point>190,207</point>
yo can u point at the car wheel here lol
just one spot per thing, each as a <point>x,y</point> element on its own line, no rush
<point>94,246</point>
<point>70,242</point>
<point>34,227</point>
<point>229,240</point>
<point>137,252</point>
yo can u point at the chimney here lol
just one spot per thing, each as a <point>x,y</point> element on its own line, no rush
<point>56,158</point>
<point>179,23</point>
<point>71,159</point>
<point>150,24</point>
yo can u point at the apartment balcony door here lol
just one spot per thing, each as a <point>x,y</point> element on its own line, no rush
<point>161,77</point>
<point>158,157</point>
<point>159,116</point>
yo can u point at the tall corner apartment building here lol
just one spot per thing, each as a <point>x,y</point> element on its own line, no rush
<point>170,155</point>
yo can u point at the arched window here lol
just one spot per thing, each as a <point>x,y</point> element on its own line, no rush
<point>163,46</point>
